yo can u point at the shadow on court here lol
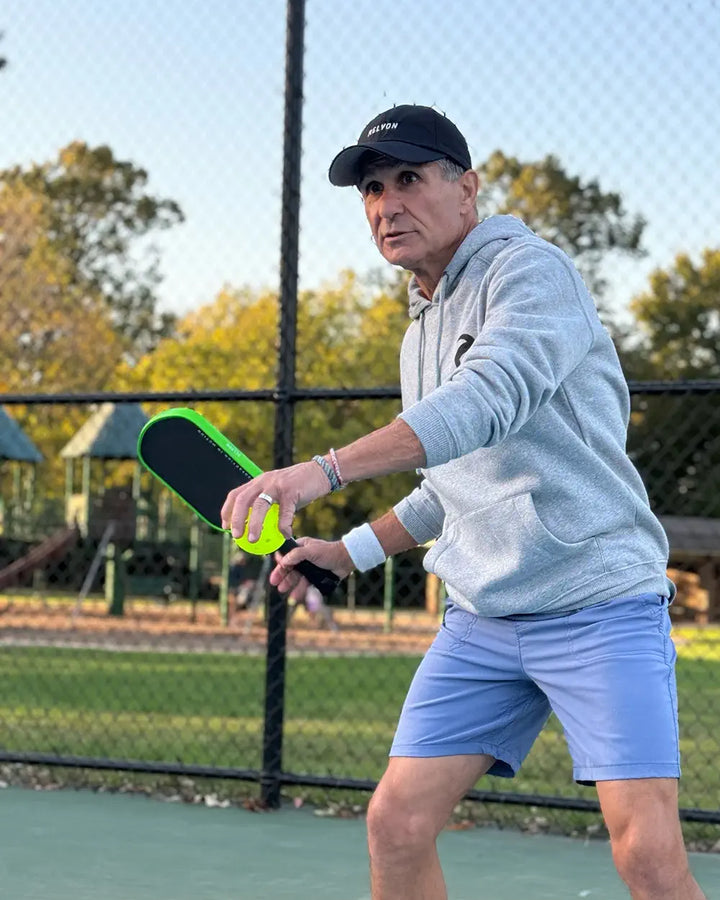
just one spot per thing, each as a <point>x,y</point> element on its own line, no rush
<point>69,845</point>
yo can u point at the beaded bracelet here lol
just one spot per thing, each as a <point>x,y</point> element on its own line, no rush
<point>336,466</point>
<point>335,484</point>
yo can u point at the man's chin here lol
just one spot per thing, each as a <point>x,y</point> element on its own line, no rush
<point>399,258</point>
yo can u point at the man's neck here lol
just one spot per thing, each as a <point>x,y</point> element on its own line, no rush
<point>429,277</point>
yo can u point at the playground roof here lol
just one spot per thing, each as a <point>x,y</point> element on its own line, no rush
<point>110,433</point>
<point>14,443</point>
<point>692,536</point>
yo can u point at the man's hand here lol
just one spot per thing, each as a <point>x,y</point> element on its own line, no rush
<point>330,555</point>
<point>290,488</point>
<point>392,448</point>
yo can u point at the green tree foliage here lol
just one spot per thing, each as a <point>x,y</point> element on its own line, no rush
<point>231,343</point>
<point>675,443</point>
<point>349,333</point>
<point>97,211</point>
<point>679,320</point>
<point>54,336</point>
<point>348,336</point>
<point>674,439</point>
<point>580,218</point>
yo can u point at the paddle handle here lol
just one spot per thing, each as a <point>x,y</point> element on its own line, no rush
<point>323,579</point>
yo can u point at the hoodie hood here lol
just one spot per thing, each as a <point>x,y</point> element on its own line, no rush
<point>496,228</point>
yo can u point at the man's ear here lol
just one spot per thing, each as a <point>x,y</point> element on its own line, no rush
<point>470,184</point>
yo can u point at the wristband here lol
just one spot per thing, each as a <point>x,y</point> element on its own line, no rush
<point>364,548</point>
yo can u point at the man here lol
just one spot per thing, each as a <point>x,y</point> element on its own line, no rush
<point>515,410</point>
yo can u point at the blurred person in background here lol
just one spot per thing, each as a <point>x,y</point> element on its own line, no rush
<point>312,601</point>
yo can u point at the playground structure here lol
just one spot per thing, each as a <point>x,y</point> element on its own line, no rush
<point>124,538</point>
<point>128,536</point>
<point>20,456</point>
<point>51,548</point>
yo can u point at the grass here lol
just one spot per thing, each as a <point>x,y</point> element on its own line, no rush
<point>199,708</point>
<point>340,713</point>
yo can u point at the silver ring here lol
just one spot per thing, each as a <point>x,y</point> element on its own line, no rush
<point>266,497</point>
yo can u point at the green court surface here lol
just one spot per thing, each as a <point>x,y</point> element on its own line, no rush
<point>69,845</point>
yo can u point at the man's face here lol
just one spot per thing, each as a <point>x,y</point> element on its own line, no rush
<point>417,218</point>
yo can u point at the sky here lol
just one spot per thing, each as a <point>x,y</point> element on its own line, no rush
<point>623,91</point>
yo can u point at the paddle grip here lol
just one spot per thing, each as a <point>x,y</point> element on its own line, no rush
<point>323,579</point>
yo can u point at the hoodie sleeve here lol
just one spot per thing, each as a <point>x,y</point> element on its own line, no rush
<point>537,329</point>
<point>421,514</point>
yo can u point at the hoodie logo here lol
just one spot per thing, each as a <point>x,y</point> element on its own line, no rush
<point>466,342</point>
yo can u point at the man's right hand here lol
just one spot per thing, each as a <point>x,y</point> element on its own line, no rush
<point>330,555</point>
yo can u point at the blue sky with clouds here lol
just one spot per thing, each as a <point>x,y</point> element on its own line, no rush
<point>625,92</point>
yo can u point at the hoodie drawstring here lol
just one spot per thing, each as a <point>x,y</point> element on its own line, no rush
<point>420,358</point>
<point>421,345</point>
<point>441,312</point>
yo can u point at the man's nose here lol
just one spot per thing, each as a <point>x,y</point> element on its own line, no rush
<point>390,204</point>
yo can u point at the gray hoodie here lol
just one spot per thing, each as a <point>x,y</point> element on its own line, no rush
<point>514,389</point>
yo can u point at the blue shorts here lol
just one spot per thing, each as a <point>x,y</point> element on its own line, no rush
<point>488,685</point>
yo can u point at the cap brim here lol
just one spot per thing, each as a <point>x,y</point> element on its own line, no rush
<point>345,168</point>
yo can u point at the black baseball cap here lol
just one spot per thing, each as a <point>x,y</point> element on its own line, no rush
<point>414,134</point>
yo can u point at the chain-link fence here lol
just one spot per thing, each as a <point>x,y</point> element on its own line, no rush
<point>152,240</point>
<point>138,639</point>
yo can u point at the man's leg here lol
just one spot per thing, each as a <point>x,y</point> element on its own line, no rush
<point>409,809</point>
<point>470,706</point>
<point>646,839</point>
<point>614,692</point>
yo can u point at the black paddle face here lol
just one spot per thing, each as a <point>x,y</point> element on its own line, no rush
<point>192,465</point>
<point>182,456</point>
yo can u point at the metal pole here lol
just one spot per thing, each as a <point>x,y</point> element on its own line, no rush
<point>283,444</point>
<point>389,594</point>
<point>225,582</point>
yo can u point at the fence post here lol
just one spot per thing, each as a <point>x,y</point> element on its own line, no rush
<point>284,411</point>
<point>194,565</point>
<point>389,594</point>
<point>114,580</point>
<point>442,600</point>
<point>352,591</point>
<point>225,579</point>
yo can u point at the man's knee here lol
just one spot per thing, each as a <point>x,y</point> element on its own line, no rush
<point>645,834</point>
<point>396,824</point>
<point>415,798</point>
<point>649,864</point>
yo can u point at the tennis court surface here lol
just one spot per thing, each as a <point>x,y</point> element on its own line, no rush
<point>76,845</point>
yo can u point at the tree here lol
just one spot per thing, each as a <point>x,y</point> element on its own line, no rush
<point>679,320</point>
<point>359,328</point>
<point>54,336</point>
<point>348,335</point>
<point>97,211</point>
<point>577,216</point>
<point>674,439</point>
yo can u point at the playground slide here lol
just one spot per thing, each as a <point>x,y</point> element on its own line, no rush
<point>49,549</point>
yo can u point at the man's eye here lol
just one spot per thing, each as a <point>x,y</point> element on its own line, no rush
<point>372,187</point>
<point>408,177</point>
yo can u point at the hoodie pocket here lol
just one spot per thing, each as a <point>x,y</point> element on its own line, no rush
<point>507,548</point>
